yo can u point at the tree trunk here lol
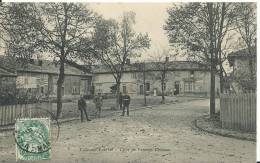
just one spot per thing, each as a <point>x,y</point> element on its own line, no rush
<point>221,79</point>
<point>212,60</point>
<point>144,83</point>
<point>251,68</point>
<point>118,83</point>
<point>162,88</point>
<point>219,49</point>
<point>59,88</point>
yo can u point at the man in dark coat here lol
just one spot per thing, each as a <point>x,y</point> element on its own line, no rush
<point>120,101</point>
<point>82,107</point>
<point>126,102</point>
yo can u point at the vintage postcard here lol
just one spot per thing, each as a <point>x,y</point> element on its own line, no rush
<point>121,82</point>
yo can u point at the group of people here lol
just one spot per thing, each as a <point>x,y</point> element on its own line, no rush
<point>124,102</point>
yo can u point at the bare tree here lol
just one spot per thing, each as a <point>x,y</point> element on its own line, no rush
<point>115,43</point>
<point>161,62</point>
<point>63,30</point>
<point>66,32</point>
<point>202,28</point>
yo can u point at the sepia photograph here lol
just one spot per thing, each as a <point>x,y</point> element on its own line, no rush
<point>118,82</point>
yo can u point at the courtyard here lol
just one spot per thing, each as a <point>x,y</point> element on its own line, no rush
<point>164,133</point>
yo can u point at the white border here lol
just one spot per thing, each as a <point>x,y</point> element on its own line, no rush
<point>258,83</point>
<point>171,1</point>
<point>128,1</point>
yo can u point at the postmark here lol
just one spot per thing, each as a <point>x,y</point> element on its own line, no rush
<point>32,139</point>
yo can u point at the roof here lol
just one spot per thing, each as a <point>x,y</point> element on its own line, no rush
<point>243,53</point>
<point>6,73</point>
<point>41,66</point>
<point>155,66</point>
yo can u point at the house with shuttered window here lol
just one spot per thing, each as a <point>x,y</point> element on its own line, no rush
<point>39,78</point>
<point>182,78</point>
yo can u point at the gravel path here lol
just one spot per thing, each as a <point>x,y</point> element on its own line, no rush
<point>161,134</point>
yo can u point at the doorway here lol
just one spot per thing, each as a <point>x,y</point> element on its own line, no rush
<point>177,88</point>
<point>124,89</point>
<point>141,89</point>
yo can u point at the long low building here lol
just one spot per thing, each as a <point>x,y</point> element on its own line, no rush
<point>182,78</point>
<point>39,78</point>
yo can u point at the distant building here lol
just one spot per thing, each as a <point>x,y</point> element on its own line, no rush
<point>39,78</point>
<point>7,78</point>
<point>239,61</point>
<point>183,78</point>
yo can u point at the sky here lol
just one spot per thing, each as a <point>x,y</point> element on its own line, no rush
<point>150,18</point>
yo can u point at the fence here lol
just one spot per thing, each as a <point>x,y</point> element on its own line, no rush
<point>8,113</point>
<point>238,111</point>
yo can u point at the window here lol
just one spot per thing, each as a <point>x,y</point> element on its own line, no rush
<point>124,89</point>
<point>164,86</point>
<point>133,75</point>
<point>147,85</point>
<point>75,91</point>
<point>192,73</point>
<point>188,86</point>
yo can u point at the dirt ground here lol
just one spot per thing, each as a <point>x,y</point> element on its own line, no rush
<point>70,109</point>
<point>161,134</point>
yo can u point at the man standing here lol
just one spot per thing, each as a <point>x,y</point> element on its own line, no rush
<point>120,101</point>
<point>126,102</point>
<point>98,100</point>
<point>82,107</point>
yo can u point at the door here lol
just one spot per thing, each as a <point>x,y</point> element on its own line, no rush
<point>177,88</point>
<point>141,89</point>
<point>124,89</point>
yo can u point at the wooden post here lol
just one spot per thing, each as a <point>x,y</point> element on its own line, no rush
<point>2,115</point>
<point>246,109</point>
<point>254,111</point>
<point>242,112</point>
<point>221,109</point>
<point>21,110</point>
<point>15,111</point>
<point>5,115</point>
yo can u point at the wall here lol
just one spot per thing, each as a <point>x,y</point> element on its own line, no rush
<point>241,72</point>
<point>242,65</point>
<point>46,84</point>
<point>103,82</point>
<point>133,80</point>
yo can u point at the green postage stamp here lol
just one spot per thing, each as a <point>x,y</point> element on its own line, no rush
<point>32,137</point>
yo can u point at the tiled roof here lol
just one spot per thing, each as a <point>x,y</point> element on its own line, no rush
<point>6,73</point>
<point>155,66</point>
<point>46,66</point>
<point>242,53</point>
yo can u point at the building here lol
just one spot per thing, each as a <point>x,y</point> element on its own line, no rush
<point>7,78</point>
<point>7,85</point>
<point>239,61</point>
<point>183,78</point>
<point>39,78</point>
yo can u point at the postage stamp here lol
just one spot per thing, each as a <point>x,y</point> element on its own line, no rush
<point>32,137</point>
